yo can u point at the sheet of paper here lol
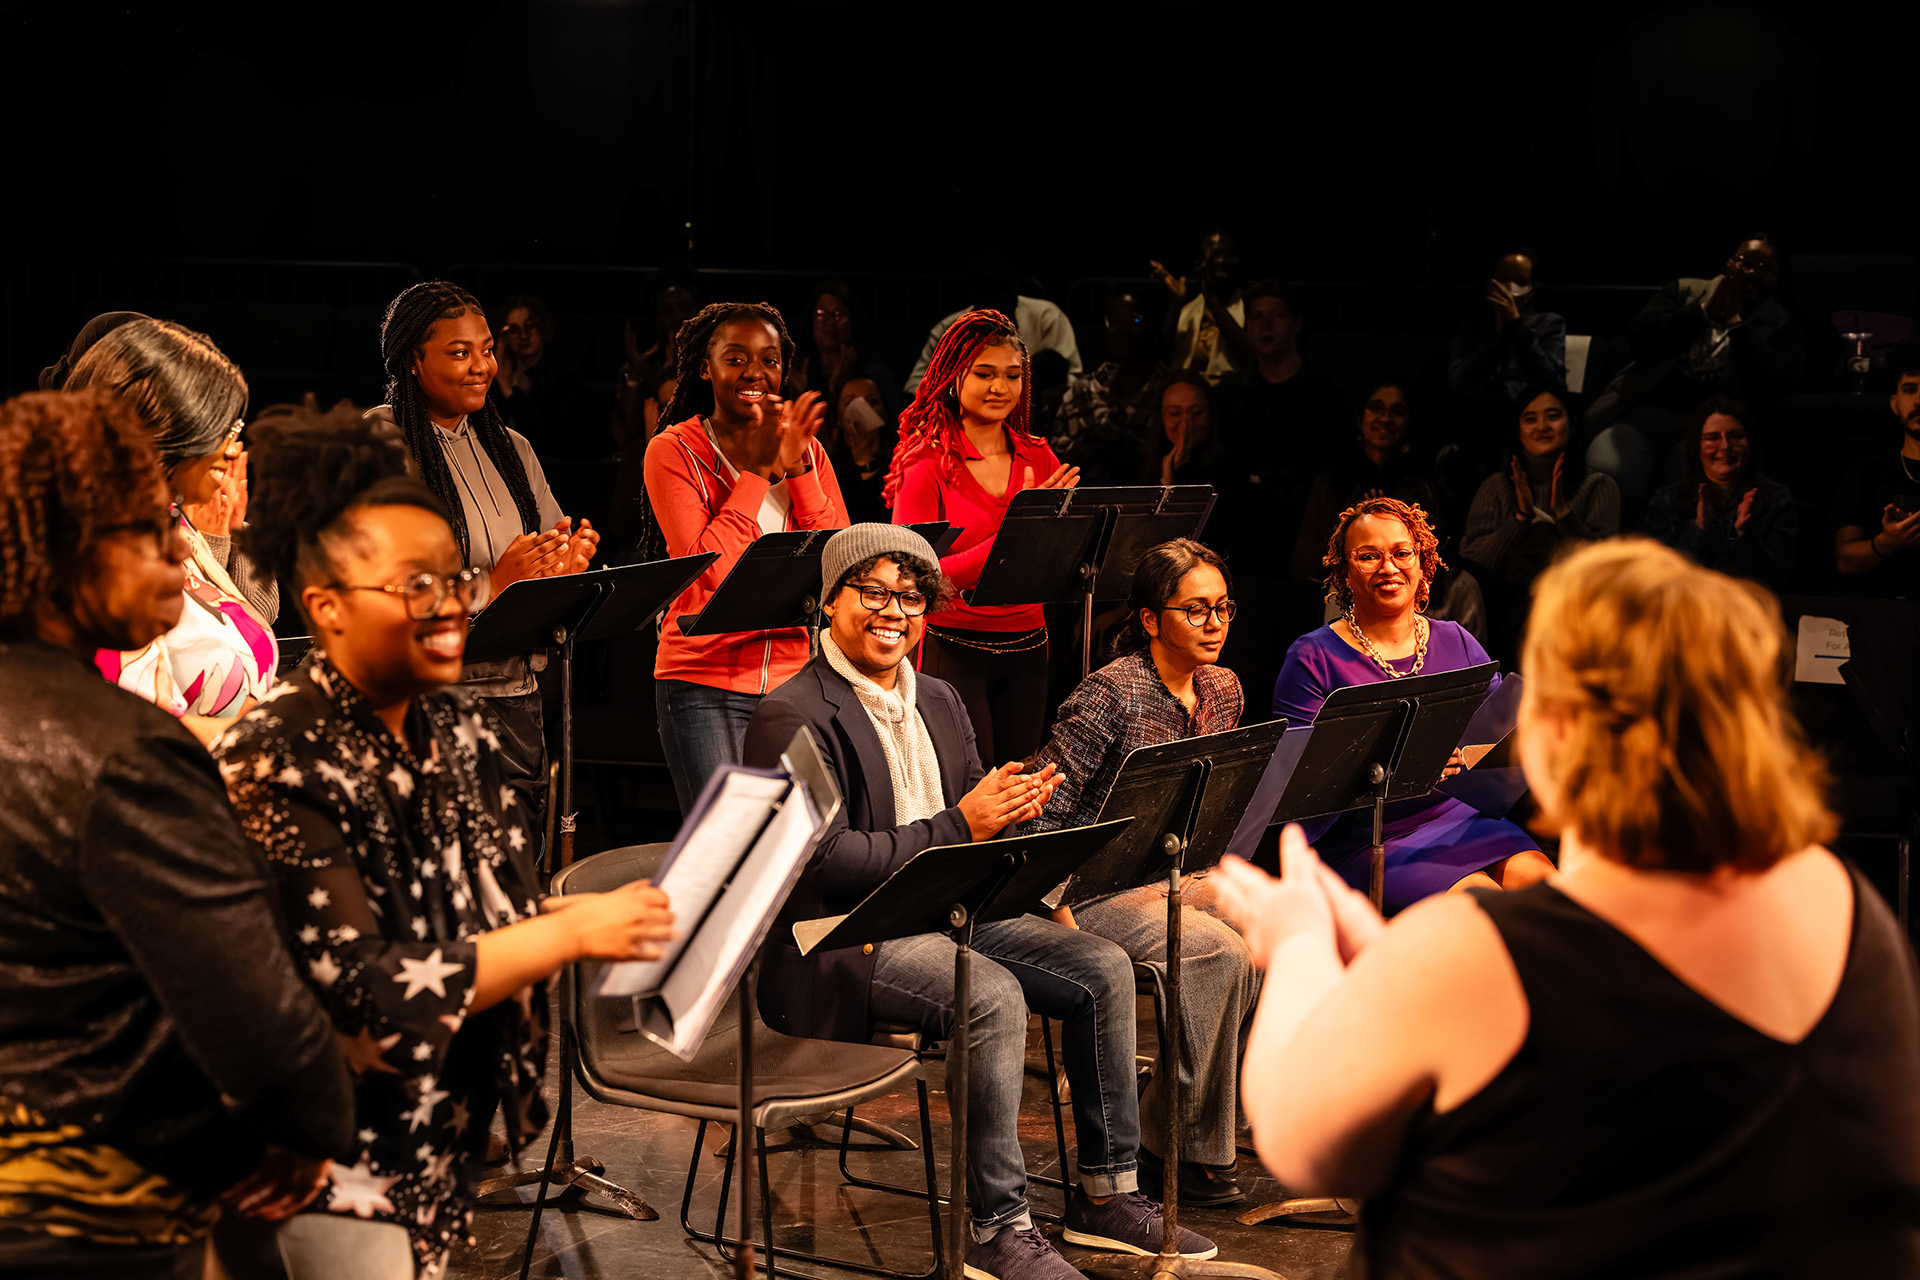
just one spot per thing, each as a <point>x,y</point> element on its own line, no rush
<point>716,954</point>
<point>1819,649</point>
<point>698,871</point>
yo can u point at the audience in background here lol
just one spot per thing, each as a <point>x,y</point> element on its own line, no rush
<point>864,450</point>
<point>438,351</point>
<point>1727,514</point>
<point>1523,514</point>
<point>735,460</point>
<point>673,299</point>
<point>994,284</point>
<point>221,656</point>
<point>833,325</point>
<point>1689,1052</point>
<point>158,1052</point>
<point>1731,335</point>
<point>1105,419</point>
<point>1504,348</point>
<point>1380,463</point>
<point>1186,449</point>
<point>1207,314</point>
<point>965,451</point>
<point>381,799</point>
<point>1876,513</point>
<point>539,384</point>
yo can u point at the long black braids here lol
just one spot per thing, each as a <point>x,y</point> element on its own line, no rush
<point>403,335</point>
<point>692,394</point>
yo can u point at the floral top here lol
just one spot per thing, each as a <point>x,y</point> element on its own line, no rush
<point>392,858</point>
<point>217,656</point>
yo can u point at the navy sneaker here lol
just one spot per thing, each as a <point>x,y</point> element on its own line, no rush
<point>1128,1223</point>
<point>1018,1255</point>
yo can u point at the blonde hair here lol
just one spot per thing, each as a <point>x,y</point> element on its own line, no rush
<point>1679,751</point>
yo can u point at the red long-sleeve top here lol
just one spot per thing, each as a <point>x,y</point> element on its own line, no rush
<point>700,508</point>
<point>933,488</point>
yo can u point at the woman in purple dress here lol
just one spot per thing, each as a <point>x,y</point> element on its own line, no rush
<point>1380,562</point>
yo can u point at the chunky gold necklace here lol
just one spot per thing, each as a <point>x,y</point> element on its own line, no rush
<point>1421,632</point>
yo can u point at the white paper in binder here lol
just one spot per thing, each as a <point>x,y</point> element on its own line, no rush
<point>725,876</point>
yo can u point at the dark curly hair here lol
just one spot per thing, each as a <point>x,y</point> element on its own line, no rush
<point>693,396</point>
<point>74,467</point>
<point>306,472</point>
<point>1339,591</point>
<point>926,578</point>
<point>403,336</point>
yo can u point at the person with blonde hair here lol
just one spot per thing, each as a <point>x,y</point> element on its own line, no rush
<point>1690,1051</point>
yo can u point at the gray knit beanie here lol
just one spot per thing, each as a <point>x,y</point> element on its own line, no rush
<point>849,547</point>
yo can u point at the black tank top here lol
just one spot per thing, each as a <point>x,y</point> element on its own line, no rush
<point>1641,1130</point>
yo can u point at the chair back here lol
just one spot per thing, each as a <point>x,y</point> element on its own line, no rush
<point>594,1025</point>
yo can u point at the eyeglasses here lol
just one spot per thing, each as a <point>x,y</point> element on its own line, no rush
<point>1198,614</point>
<point>1401,555</point>
<point>424,593</point>
<point>912,603</point>
<point>515,330</point>
<point>825,313</point>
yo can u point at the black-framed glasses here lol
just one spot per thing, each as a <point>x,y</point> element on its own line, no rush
<point>424,593</point>
<point>912,603</point>
<point>1197,614</point>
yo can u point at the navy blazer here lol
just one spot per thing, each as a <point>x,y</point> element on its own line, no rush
<point>824,996</point>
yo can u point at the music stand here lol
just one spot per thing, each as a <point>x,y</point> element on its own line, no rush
<point>1186,799</point>
<point>1369,745</point>
<point>949,890</point>
<point>775,584</point>
<point>1062,546</point>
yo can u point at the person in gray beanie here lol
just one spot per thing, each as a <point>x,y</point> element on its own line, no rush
<point>902,750</point>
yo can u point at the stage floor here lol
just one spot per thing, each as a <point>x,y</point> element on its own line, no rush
<point>813,1208</point>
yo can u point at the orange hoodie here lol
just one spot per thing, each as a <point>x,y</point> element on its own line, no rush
<point>700,509</point>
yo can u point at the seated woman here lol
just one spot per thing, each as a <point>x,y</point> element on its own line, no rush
<point>1691,1052</point>
<point>1380,564</point>
<point>153,1031</point>
<point>1379,463</point>
<point>1186,447</point>
<point>221,656</point>
<point>379,799</point>
<point>1167,686</point>
<point>1521,517</point>
<point>1727,514</point>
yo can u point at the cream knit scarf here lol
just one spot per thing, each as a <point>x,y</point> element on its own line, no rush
<point>911,763</point>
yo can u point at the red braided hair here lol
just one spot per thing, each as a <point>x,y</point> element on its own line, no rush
<point>930,426</point>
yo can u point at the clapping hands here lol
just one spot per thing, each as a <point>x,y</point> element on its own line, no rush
<point>1308,900</point>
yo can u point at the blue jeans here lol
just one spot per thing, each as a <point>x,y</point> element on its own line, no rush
<point>1017,965</point>
<point>701,728</point>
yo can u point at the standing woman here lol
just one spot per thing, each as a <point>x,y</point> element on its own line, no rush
<point>377,797</point>
<point>1380,565</point>
<point>221,657</point>
<point>737,460</point>
<point>965,450</point>
<point>438,350</point>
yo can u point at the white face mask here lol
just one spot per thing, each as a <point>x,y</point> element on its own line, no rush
<point>1519,291</point>
<point>861,415</point>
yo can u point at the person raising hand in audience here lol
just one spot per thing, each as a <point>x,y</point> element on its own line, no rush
<point>376,796</point>
<point>1691,1051</point>
<point>159,1054</point>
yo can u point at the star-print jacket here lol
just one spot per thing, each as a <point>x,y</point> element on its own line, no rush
<point>392,857</point>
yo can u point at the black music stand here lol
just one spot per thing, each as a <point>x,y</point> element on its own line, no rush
<point>776,584</point>
<point>1066,546</point>
<point>1186,799</point>
<point>543,613</point>
<point>1370,744</point>
<point>949,890</point>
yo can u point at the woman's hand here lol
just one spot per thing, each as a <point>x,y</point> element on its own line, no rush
<point>581,543</point>
<point>1309,900</point>
<point>1505,309</point>
<point>1063,477</point>
<point>1522,491</point>
<point>1456,764</point>
<point>1558,502</point>
<point>1703,507</point>
<point>1063,914</point>
<point>1003,798</point>
<point>1176,285</point>
<point>531,555</point>
<point>628,923</point>
<point>1748,502</point>
<point>284,1184</point>
<point>796,424</point>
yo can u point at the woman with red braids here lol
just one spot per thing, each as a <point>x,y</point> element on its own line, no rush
<point>965,450</point>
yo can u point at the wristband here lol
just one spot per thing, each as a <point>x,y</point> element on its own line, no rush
<point>1873,545</point>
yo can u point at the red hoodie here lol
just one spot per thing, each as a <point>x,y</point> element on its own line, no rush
<point>700,509</point>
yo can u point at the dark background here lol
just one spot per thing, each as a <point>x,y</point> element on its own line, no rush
<point>1626,144</point>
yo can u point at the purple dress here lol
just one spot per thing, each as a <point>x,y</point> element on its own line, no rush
<point>1432,841</point>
